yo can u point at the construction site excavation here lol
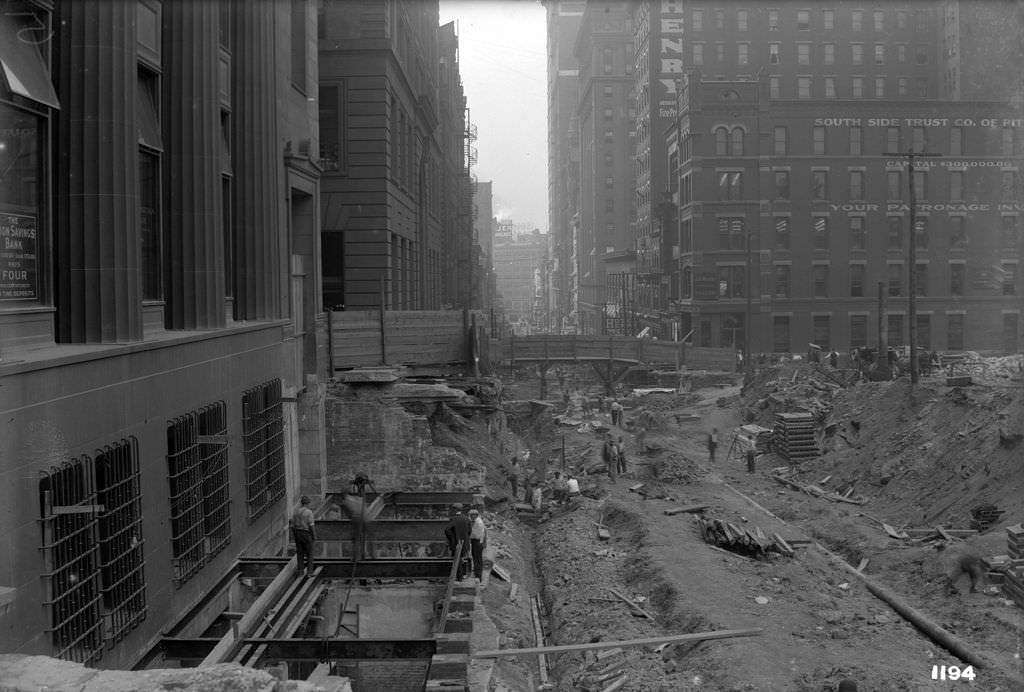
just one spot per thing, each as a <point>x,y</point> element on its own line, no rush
<point>634,525</point>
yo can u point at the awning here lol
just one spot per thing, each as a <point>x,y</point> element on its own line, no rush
<point>23,66</point>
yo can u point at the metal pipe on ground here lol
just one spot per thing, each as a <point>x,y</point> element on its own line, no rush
<point>937,634</point>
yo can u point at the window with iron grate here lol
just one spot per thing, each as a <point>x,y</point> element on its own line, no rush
<point>120,538</point>
<point>185,478</point>
<point>263,438</point>
<point>71,574</point>
<point>213,449</point>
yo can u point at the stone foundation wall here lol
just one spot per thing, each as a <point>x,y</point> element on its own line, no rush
<point>392,447</point>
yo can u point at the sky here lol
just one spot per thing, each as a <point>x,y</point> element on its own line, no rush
<point>502,59</point>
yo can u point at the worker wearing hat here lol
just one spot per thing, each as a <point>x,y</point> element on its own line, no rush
<point>457,533</point>
<point>477,542</point>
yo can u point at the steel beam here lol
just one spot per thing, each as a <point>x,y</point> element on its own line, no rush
<point>341,568</point>
<point>384,530</point>
<point>308,649</point>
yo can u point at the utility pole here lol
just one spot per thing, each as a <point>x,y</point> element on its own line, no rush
<point>912,259</point>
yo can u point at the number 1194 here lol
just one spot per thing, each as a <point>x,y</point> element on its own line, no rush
<point>952,673</point>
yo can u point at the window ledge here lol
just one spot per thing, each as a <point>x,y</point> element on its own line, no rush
<point>15,361</point>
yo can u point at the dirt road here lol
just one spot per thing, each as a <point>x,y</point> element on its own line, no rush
<point>820,623</point>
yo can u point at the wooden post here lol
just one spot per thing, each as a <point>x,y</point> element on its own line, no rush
<point>330,341</point>
<point>609,388</point>
<point>383,342</point>
<point>883,324</point>
<point>474,350</point>
<point>512,349</point>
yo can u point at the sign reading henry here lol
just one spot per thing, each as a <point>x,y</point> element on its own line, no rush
<point>670,54</point>
<point>19,274</point>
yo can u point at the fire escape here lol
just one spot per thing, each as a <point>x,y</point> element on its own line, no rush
<point>469,245</point>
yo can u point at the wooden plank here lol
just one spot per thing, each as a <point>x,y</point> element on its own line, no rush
<point>942,532</point>
<point>633,606</point>
<point>500,572</point>
<point>863,563</point>
<point>595,646</point>
<point>691,509</point>
<point>781,542</point>
<point>542,661</point>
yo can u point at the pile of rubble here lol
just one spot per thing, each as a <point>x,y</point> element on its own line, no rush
<point>675,468</point>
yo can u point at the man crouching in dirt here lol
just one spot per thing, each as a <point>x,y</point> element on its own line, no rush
<point>959,562</point>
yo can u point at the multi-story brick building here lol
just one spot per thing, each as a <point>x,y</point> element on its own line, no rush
<point>811,212</point>
<point>160,320</point>
<point>604,51</point>
<point>820,60</point>
<point>396,198</point>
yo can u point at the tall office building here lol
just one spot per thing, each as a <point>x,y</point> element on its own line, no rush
<point>397,193</point>
<point>563,22</point>
<point>605,117</point>
<point>160,320</point>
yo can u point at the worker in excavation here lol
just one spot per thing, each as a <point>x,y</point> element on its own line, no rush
<point>712,444</point>
<point>457,533</point>
<point>304,534</point>
<point>609,454</point>
<point>477,542</point>
<point>620,457</point>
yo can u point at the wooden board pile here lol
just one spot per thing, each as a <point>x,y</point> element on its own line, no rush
<point>984,516</point>
<point>793,436</point>
<point>756,543</point>
<point>786,476</point>
<point>1013,580</point>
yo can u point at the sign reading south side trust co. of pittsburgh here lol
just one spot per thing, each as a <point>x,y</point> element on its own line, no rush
<point>919,122</point>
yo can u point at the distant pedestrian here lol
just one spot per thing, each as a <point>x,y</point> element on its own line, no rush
<point>833,359</point>
<point>641,441</point>
<point>712,444</point>
<point>620,449</point>
<point>477,542</point>
<point>457,535</point>
<point>303,528</point>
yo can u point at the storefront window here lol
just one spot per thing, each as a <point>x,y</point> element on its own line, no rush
<point>21,197</point>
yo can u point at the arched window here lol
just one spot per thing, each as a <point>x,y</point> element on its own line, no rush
<point>737,141</point>
<point>721,142</point>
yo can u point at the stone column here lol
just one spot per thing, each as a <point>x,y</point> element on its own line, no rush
<point>99,291</point>
<point>194,251</point>
<point>257,160</point>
